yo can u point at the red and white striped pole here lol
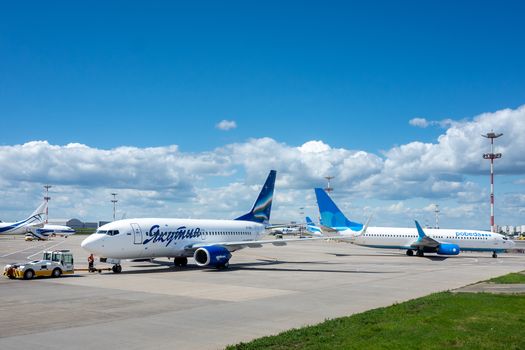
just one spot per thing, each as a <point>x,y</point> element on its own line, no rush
<point>492,156</point>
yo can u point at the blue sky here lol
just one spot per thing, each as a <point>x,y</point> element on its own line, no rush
<point>160,73</point>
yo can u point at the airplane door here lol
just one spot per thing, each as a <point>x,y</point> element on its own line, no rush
<point>137,233</point>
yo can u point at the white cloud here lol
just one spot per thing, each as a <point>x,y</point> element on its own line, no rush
<point>226,125</point>
<point>419,122</point>
<point>164,181</point>
<point>424,123</point>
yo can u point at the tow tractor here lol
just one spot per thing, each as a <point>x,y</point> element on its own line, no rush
<point>53,264</point>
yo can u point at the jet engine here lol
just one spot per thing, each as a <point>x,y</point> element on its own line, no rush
<point>215,256</point>
<point>448,249</point>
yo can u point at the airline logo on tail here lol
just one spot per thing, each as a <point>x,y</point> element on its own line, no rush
<point>15,227</point>
<point>263,205</point>
<point>331,215</point>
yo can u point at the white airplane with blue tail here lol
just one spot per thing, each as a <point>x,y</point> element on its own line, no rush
<point>414,239</point>
<point>209,242</point>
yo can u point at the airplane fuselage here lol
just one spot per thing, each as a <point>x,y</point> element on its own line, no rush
<point>404,238</point>
<point>164,237</point>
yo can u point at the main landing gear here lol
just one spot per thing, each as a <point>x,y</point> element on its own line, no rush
<point>116,268</point>
<point>494,255</point>
<point>419,252</point>
<point>180,261</point>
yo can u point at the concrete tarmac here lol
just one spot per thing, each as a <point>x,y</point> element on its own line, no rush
<point>265,291</point>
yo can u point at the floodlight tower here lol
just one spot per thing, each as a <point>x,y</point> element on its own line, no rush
<point>492,135</point>
<point>436,211</point>
<point>328,189</point>
<point>46,199</point>
<point>114,201</point>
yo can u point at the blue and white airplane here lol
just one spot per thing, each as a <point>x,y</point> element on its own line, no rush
<point>209,242</point>
<point>21,227</point>
<point>45,232</point>
<point>440,241</point>
<point>312,228</point>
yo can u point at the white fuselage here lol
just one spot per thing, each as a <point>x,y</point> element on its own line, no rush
<point>46,231</point>
<point>16,228</point>
<point>403,238</point>
<point>151,237</point>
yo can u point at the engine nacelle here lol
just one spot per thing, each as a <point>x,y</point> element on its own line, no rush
<point>448,249</point>
<point>212,256</point>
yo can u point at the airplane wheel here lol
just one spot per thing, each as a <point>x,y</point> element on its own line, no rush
<point>56,273</point>
<point>494,255</point>
<point>116,268</point>
<point>29,274</point>
<point>223,267</point>
<point>410,252</point>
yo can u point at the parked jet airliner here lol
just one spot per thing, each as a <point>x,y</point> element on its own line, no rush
<point>440,241</point>
<point>21,227</point>
<point>210,242</point>
<point>43,233</point>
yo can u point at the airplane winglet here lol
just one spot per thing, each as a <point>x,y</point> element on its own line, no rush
<point>365,227</point>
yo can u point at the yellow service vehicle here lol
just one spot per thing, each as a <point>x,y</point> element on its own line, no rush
<point>53,264</point>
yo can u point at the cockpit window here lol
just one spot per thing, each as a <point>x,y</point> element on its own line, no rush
<point>108,232</point>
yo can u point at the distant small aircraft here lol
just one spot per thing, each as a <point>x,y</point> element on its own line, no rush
<point>45,232</point>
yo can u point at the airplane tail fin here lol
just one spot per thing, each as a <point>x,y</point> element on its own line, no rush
<point>331,216</point>
<point>309,221</point>
<point>263,205</point>
<point>38,213</point>
<point>420,231</point>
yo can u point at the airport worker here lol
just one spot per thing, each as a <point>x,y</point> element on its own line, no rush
<point>91,263</point>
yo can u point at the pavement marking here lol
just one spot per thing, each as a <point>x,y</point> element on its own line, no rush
<point>199,290</point>
<point>22,250</point>
<point>39,252</point>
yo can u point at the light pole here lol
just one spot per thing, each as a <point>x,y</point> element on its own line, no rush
<point>47,198</point>
<point>114,201</point>
<point>328,189</point>
<point>492,135</point>
<point>436,211</point>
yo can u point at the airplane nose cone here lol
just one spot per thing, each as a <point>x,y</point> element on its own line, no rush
<point>90,243</point>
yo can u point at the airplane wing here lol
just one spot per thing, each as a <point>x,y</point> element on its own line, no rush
<point>423,240</point>
<point>236,245</point>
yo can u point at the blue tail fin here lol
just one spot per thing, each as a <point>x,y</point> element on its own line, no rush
<point>309,221</point>
<point>263,205</point>
<point>420,231</point>
<point>331,216</point>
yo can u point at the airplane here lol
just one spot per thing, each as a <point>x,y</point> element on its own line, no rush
<point>284,230</point>
<point>21,227</point>
<point>313,229</point>
<point>43,233</point>
<point>440,241</point>
<point>209,242</point>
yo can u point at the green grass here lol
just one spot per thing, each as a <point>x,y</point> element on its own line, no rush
<point>438,321</point>
<point>84,231</point>
<point>511,278</point>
